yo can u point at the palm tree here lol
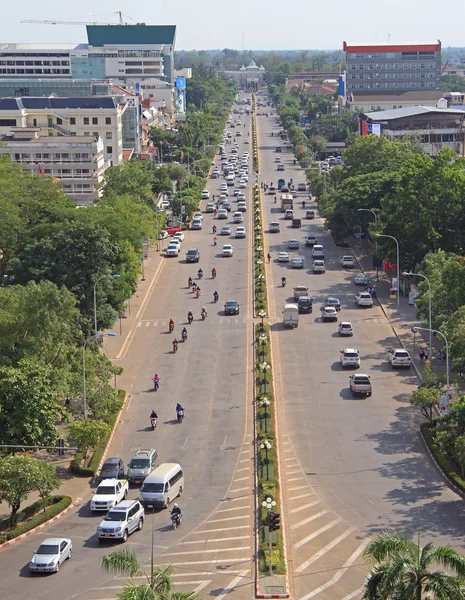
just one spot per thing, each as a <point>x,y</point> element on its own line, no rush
<point>159,584</point>
<point>403,570</point>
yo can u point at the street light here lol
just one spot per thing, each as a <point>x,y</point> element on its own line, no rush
<point>398,265</point>
<point>430,307</point>
<point>376,245</point>
<point>265,445</point>
<point>115,276</point>
<point>415,329</point>
<point>269,504</point>
<point>264,367</point>
<point>262,340</point>
<point>262,315</point>
<point>98,335</point>
<point>265,403</point>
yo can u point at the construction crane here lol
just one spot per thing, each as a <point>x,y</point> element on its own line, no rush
<point>50,22</point>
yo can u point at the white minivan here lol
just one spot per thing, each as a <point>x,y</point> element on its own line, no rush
<point>291,315</point>
<point>162,486</point>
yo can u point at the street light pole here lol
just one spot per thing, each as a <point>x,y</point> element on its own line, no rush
<point>269,504</point>
<point>98,335</point>
<point>376,243</point>
<point>115,276</point>
<point>398,265</point>
<point>415,329</point>
<point>430,308</point>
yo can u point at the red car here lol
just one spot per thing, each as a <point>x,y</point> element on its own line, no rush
<point>172,230</point>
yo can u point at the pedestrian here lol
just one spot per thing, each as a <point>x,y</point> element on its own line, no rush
<point>439,355</point>
<point>421,353</point>
<point>269,258</point>
<point>426,354</point>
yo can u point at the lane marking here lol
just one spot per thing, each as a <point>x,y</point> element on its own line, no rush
<point>228,539</point>
<point>296,478</point>
<point>232,585</point>
<point>199,587</point>
<point>299,508</point>
<point>229,519</point>
<point>238,549</point>
<point>241,479</point>
<point>220,529</point>
<point>298,487</point>
<point>243,469</point>
<point>353,595</point>
<point>230,509</point>
<point>338,575</point>
<point>302,496</point>
<point>237,490</point>
<point>238,561</point>
<point>309,519</point>
<point>316,533</point>
<point>324,550</point>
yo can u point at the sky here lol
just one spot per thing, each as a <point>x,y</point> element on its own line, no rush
<point>249,24</point>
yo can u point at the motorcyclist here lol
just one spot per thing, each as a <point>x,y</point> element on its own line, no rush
<point>176,512</point>
<point>275,199</point>
<point>214,228</point>
<point>213,273</point>
<point>198,291</point>
<point>184,333</point>
<point>190,317</point>
<point>194,287</point>
<point>153,415</point>
<point>200,273</point>
<point>216,296</point>
<point>303,203</point>
<point>179,411</point>
<point>189,282</point>
<point>215,240</point>
<point>175,345</point>
<point>204,311</point>
<point>283,281</point>
<point>171,326</point>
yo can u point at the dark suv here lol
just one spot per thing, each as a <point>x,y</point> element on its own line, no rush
<point>192,255</point>
<point>305,304</point>
<point>113,468</point>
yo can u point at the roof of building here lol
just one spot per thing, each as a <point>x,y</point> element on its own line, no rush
<point>101,35</point>
<point>407,96</point>
<point>409,111</point>
<point>28,102</point>
<point>127,154</point>
<point>392,47</point>
<point>324,87</point>
<point>56,139</point>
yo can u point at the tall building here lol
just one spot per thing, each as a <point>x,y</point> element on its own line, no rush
<point>373,68</point>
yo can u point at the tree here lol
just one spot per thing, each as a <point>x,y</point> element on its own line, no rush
<point>19,476</point>
<point>159,584</point>
<point>87,434</point>
<point>459,451</point>
<point>403,570</point>
<point>176,173</point>
<point>426,399</point>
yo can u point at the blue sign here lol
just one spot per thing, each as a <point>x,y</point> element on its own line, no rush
<point>180,83</point>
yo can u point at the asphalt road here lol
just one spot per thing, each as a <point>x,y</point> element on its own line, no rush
<point>210,375</point>
<point>351,467</point>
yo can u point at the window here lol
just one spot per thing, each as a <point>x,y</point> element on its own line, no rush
<point>86,133</point>
<point>95,134</point>
<point>370,67</point>
<point>94,120</point>
<point>359,56</point>
<point>108,135</point>
<point>422,66</point>
<point>395,66</point>
<point>353,76</point>
<point>360,67</point>
<point>372,107</point>
<point>353,67</point>
<point>360,76</point>
<point>107,120</point>
<point>406,66</point>
<point>110,149</point>
<point>86,120</point>
<point>72,121</point>
<point>7,122</point>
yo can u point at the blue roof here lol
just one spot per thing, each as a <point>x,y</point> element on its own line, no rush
<point>92,102</point>
<point>99,35</point>
<point>9,104</point>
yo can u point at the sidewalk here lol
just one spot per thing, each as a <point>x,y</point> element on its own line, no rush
<point>402,321</point>
<point>79,488</point>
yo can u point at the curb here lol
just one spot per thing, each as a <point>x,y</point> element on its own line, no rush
<point>39,527</point>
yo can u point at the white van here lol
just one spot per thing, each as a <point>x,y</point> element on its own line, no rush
<point>291,315</point>
<point>230,180</point>
<point>162,486</point>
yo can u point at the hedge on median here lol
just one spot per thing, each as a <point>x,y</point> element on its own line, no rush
<point>446,464</point>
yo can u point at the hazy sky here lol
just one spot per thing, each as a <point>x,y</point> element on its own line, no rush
<point>256,24</point>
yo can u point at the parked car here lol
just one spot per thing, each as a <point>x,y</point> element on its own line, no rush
<point>347,261</point>
<point>399,357</point>
<point>363,299</point>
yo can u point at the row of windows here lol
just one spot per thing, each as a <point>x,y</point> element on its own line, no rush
<point>139,71</point>
<point>138,53</point>
<point>35,71</point>
<point>392,66</point>
<point>393,76</point>
<point>35,54</point>
<point>387,85</point>
<point>86,121</point>
<point>140,63</point>
<point>78,186</point>
<point>79,156</point>
<point>35,63</point>
<point>393,55</point>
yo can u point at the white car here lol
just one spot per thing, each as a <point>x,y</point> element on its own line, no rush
<point>223,197</point>
<point>237,191</point>
<point>318,251</point>
<point>210,207</point>
<point>179,235</point>
<point>363,299</point>
<point>50,555</point>
<point>347,261</point>
<point>319,266</point>
<point>399,357</point>
<point>242,206</point>
<point>227,250</point>
<point>197,223</point>
<point>349,357</point>
<point>240,232</point>
<point>198,215</point>
<point>172,250</point>
<point>283,257</point>
<point>328,313</point>
<point>205,195</point>
<point>242,184</point>
<point>222,213</point>
<point>238,217</point>
<point>297,262</point>
<point>293,244</point>
<point>240,196</point>
<point>360,279</point>
<point>165,204</point>
<point>223,187</point>
<point>345,329</point>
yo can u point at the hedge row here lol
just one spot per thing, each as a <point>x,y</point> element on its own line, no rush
<point>447,465</point>
<point>55,504</point>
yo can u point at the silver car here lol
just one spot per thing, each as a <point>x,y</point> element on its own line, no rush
<point>50,555</point>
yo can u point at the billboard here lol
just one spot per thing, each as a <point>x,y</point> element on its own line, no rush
<point>180,83</point>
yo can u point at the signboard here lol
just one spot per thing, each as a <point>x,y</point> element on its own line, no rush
<point>180,83</point>
<point>444,405</point>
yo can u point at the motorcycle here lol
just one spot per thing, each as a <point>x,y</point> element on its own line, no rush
<point>175,347</point>
<point>190,318</point>
<point>189,282</point>
<point>180,415</point>
<point>171,327</point>
<point>214,274</point>
<point>215,298</point>
<point>153,422</point>
<point>175,521</point>
<point>200,274</point>
<point>197,293</point>
<point>184,336</point>
<point>203,315</point>
<point>283,282</point>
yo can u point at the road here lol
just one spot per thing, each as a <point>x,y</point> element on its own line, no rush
<point>212,551</point>
<point>350,467</point>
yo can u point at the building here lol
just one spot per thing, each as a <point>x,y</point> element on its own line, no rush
<point>363,101</point>
<point>96,117</point>
<point>247,77</point>
<point>78,162</point>
<point>373,68</point>
<point>313,89</point>
<point>68,88</point>
<point>438,127</point>
<point>316,76</point>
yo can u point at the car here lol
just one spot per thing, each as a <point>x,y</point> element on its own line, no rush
<point>240,196</point>
<point>311,240</point>
<point>238,217</point>
<point>227,250</point>
<point>305,304</point>
<point>165,204</point>
<point>172,230</point>
<point>197,215</point>
<point>122,520</point>
<point>179,235</point>
<point>399,357</point>
<point>284,189</point>
<point>192,255</point>
<point>296,223</point>
<point>112,468</point>
<point>345,329</point>
<point>360,385</point>
<point>328,313</point>
<point>310,214</point>
<point>347,261</point>
<point>142,464</point>
<point>364,299</point>
<point>319,266</point>
<point>242,206</point>
<point>240,232</point>
<point>238,134</point>
<point>237,191</point>
<point>163,235</point>
<point>242,184</point>
<point>50,555</point>
<point>271,190</point>
<point>361,279</point>
<point>172,249</point>
<point>222,198</point>
<point>349,357</point>
<point>222,213</point>
<point>274,227</point>
<point>301,187</point>
<point>281,168</point>
<point>299,291</point>
<point>293,244</point>
<point>226,230</point>
<point>283,257</point>
<point>231,308</point>
<point>277,159</point>
<point>244,175</point>
<point>108,493</point>
<point>215,174</point>
<point>318,251</point>
<point>210,207</point>
<point>334,302</point>
<point>205,194</point>
<point>226,206</point>
<point>223,188</point>
<point>246,141</point>
<point>297,262</point>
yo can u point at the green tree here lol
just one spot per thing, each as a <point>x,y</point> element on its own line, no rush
<point>426,399</point>
<point>134,178</point>
<point>176,173</point>
<point>459,452</point>
<point>404,570</point>
<point>47,480</point>
<point>87,434</point>
<point>452,83</point>
<point>159,582</point>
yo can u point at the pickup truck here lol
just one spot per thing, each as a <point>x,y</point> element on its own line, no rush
<point>360,385</point>
<point>398,357</point>
<point>108,494</point>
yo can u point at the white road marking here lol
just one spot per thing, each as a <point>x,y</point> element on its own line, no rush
<point>241,479</point>
<point>316,533</point>
<point>199,587</point>
<point>296,479</point>
<point>309,519</point>
<point>294,473</point>
<point>231,586</point>
<point>302,496</point>
<point>299,508</point>
<point>243,469</point>
<point>338,575</point>
<point>227,500</point>
<point>247,516</point>
<point>203,562</point>
<point>216,540</point>
<point>223,445</point>
<point>238,549</point>
<point>244,460</point>
<point>184,446</point>
<point>229,509</point>
<point>139,324</point>
<point>298,487</point>
<point>353,595</point>
<point>324,550</point>
<point>237,490</point>
<point>221,529</point>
